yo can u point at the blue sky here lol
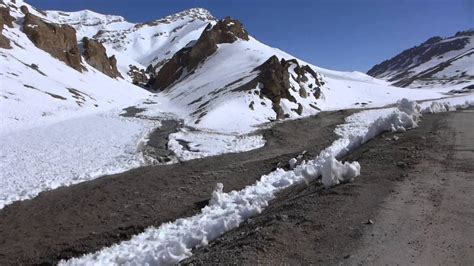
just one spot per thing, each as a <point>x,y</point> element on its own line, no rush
<point>336,34</point>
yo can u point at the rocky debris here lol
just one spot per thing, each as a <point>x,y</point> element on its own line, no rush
<point>58,40</point>
<point>95,54</point>
<point>274,82</point>
<point>5,19</point>
<point>186,60</point>
<point>139,76</point>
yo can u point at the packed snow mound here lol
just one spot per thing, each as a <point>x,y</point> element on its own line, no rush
<point>335,172</point>
<point>436,62</point>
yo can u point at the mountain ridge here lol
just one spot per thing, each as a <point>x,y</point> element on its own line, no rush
<point>437,61</point>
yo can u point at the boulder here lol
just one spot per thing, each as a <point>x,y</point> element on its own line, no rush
<point>227,30</point>
<point>95,54</point>
<point>58,40</point>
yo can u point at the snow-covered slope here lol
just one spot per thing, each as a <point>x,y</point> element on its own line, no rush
<point>436,62</point>
<point>137,44</point>
<point>37,88</point>
<point>217,93</point>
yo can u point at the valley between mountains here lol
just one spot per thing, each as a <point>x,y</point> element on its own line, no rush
<point>187,140</point>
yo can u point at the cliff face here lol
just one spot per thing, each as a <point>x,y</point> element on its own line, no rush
<point>187,59</point>
<point>95,54</point>
<point>5,19</point>
<point>58,40</point>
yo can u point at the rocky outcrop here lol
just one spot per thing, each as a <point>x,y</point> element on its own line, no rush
<point>186,60</point>
<point>274,79</point>
<point>5,20</point>
<point>58,40</point>
<point>95,54</point>
<point>139,76</point>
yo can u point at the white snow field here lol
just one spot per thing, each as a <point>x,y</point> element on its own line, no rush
<point>173,242</point>
<point>69,152</point>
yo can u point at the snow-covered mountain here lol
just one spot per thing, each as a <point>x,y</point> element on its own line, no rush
<point>45,79</point>
<point>229,81</point>
<point>436,62</point>
<point>212,74</point>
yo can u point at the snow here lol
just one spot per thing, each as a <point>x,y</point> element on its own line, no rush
<point>172,242</point>
<point>69,152</point>
<point>335,172</point>
<point>203,144</point>
<point>459,71</point>
<point>53,91</point>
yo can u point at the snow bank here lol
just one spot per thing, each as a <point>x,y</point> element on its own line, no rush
<point>438,107</point>
<point>172,242</point>
<point>190,144</point>
<point>447,105</point>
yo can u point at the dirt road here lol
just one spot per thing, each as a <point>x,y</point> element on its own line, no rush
<point>83,218</point>
<point>417,190</point>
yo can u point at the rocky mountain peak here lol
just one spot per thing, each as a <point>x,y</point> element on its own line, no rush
<point>467,33</point>
<point>227,30</point>
<point>189,14</point>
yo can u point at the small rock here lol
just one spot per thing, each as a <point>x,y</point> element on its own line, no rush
<point>347,256</point>
<point>369,222</point>
<point>401,164</point>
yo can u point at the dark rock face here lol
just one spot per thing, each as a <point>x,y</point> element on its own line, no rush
<point>95,54</point>
<point>139,76</point>
<point>58,40</point>
<point>274,78</point>
<point>398,68</point>
<point>5,19</point>
<point>24,9</point>
<point>225,31</point>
